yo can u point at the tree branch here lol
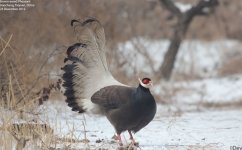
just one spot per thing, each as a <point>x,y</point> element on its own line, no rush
<point>203,7</point>
<point>199,9</point>
<point>171,7</point>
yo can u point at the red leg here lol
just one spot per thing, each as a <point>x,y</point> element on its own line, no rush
<point>131,137</point>
<point>119,140</point>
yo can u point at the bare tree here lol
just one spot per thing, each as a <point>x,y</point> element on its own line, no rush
<point>184,19</point>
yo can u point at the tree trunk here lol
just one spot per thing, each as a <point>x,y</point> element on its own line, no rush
<point>184,20</point>
<point>176,39</point>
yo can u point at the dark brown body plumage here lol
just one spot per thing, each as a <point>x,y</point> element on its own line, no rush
<point>127,108</point>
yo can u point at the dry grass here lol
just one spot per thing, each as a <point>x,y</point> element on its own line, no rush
<point>20,125</point>
<point>21,90</point>
<point>39,134</point>
<point>16,105</point>
<point>19,133</point>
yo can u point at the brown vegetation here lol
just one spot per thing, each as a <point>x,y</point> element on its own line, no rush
<point>231,66</point>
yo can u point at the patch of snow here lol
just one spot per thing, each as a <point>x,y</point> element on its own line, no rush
<point>211,90</point>
<point>183,7</point>
<point>194,57</point>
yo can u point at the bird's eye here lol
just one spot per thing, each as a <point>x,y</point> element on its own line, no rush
<point>146,80</point>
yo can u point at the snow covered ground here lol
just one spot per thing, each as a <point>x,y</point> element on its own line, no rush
<point>207,130</point>
<point>188,130</point>
<point>177,125</point>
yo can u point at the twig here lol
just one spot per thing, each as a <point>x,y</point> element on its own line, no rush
<point>6,44</point>
<point>85,135</point>
<point>40,69</point>
<point>199,8</point>
<point>45,92</point>
<point>143,51</point>
<point>171,7</point>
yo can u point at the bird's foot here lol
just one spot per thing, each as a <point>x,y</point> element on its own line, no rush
<point>127,147</point>
<point>133,146</point>
<point>132,139</point>
<point>134,143</point>
<point>118,139</point>
<point>120,143</point>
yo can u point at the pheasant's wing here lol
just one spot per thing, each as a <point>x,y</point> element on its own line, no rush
<point>86,70</point>
<point>112,97</point>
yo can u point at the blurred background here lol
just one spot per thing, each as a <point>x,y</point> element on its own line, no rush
<point>192,49</point>
<point>138,32</point>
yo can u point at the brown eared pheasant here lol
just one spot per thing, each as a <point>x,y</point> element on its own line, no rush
<point>90,87</point>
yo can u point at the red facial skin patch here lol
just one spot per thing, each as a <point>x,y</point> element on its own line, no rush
<point>146,81</point>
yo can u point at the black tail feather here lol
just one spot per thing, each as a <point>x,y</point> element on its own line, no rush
<point>68,85</point>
